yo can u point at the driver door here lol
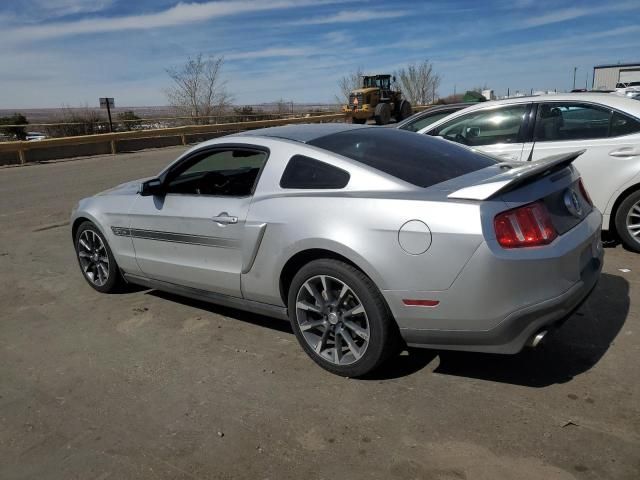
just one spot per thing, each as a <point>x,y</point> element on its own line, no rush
<point>499,131</point>
<point>192,233</point>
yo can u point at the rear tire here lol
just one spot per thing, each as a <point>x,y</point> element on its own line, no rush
<point>341,319</point>
<point>97,264</point>
<point>382,113</point>
<point>627,222</point>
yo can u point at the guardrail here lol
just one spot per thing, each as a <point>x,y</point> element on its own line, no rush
<point>21,152</point>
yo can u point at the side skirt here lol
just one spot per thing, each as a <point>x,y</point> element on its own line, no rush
<point>218,299</point>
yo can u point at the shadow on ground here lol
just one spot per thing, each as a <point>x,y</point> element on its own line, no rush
<point>241,315</point>
<point>566,352</point>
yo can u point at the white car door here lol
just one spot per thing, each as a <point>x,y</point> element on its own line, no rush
<point>498,130</point>
<point>192,233</point>
<point>611,159</point>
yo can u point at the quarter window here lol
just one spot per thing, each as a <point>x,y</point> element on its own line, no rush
<point>231,173</point>
<point>485,127</point>
<point>307,173</point>
<point>623,125</point>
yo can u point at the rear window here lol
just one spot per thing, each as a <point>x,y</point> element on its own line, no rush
<point>417,159</point>
<point>305,172</point>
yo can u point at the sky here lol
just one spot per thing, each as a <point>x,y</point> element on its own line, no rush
<point>57,53</point>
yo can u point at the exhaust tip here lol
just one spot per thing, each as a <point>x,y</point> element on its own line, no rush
<point>536,339</point>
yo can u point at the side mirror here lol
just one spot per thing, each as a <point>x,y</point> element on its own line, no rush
<point>152,187</point>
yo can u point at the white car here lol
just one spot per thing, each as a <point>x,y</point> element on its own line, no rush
<point>606,126</point>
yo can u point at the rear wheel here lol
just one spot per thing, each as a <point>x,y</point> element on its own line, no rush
<point>340,318</point>
<point>96,260</point>
<point>628,222</point>
<point>382,113</point>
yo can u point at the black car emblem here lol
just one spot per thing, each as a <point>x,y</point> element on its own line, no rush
<point>572,202</point>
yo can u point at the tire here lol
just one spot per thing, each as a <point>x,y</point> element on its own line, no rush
<point>628,214</point>
<point>353,319</point>
<point>97,264</point>
<point>382,113</point>
<point>359,121</point>
<point>404,111</point>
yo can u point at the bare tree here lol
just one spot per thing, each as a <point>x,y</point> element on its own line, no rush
<point>419,82</point>
<point>198,90</point>
<point>347,84</point>
<point>76,122</point>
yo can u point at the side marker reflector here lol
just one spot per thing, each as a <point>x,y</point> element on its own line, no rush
<point>420,303</point>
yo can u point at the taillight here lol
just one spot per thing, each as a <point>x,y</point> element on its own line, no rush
<point>584,192</point>
<point>526,226</point>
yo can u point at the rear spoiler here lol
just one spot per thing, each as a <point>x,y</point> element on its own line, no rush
<point>518,174</point>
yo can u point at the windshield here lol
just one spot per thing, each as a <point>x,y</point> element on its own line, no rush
<point>417,159</point>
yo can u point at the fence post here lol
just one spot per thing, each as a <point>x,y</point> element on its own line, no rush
<point>113,147</point>
<point>21,156</point>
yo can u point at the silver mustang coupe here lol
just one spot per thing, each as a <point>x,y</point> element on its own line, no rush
<point>365,238</point>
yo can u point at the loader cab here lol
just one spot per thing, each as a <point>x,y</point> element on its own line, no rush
<point>383,82</point>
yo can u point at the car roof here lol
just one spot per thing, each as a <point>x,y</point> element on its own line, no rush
<point>616,101</point>
<point>302,132</point>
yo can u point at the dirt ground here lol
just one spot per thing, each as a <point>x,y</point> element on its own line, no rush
<point>149,385</point>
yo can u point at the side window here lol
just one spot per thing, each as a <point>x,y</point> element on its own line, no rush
<point>485,127</point>
<point>425,121</point>
<point>557,121</point>
<point>622,124</point>
<point>307,173</point>
<point>231,173</point>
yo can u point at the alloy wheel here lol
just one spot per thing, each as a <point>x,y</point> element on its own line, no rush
<point>93,257</point>
<point>332,320</point>
<point>633,221</point>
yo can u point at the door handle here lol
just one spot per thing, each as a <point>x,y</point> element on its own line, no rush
<point>625,152</point>
<point>225,219</point>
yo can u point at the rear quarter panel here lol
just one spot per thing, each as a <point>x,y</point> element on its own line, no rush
<point>364,230</point>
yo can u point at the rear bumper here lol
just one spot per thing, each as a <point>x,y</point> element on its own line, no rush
<point>511,335</point>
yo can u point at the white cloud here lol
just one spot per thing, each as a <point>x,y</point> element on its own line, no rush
<point>577,12</point>
<point>180,14</point>
<point>60,8</point>
<point>268,53</point>
<point>338,37</point>
<point>351,16</point>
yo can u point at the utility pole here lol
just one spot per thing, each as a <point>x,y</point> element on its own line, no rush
<point>575,69</point>
<point>108,103</point>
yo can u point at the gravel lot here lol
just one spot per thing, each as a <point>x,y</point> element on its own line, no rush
<point>149,385</point>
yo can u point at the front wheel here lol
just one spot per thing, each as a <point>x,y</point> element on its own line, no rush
<point>628,222</point>
<point>404,111</point>
<point>340,318</point>
<point>96,260</point>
